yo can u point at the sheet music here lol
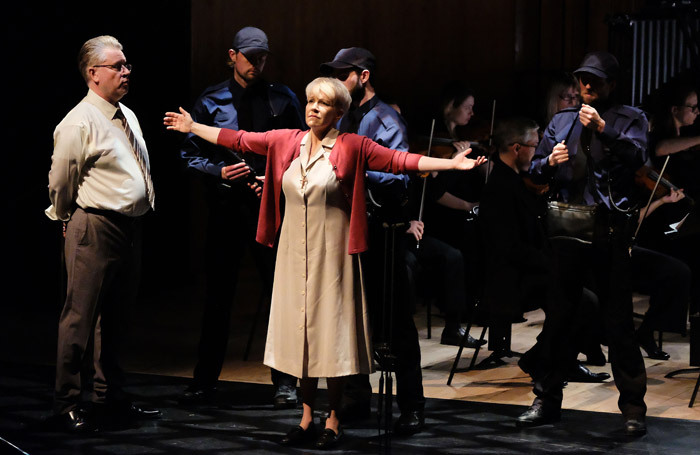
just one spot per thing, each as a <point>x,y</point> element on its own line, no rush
<point>676,226</point>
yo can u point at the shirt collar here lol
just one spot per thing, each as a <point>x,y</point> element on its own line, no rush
<point>107,108</point>
<point>328,141</point>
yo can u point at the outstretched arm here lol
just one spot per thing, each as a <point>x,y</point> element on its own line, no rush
<point>460,162</point>
<point>183,123</point>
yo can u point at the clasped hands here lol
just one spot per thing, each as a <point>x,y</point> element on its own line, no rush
<point>589,118</point>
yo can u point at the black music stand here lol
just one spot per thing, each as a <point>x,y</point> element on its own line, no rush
<point>694,356</point>
<point>383,352</point>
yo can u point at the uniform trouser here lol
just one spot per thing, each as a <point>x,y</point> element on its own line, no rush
<point>404,336</point>
<point>102,251</point>
<point>609,264</point>
<point>230,233</point>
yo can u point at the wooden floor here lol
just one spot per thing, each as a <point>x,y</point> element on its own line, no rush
<point>506,384</point>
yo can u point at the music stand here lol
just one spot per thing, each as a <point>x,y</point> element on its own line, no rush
<point>694,357</point>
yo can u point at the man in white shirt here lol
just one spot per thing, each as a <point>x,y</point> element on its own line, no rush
<point>99,186</point>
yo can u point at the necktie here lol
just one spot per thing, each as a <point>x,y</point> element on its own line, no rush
<point>140,156</point>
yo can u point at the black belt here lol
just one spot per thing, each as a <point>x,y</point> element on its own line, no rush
<point>111,215</point>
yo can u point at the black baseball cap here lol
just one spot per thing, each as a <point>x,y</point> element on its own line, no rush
<point>600,63</point>
<point>250,40</point>
<point>352,57</point>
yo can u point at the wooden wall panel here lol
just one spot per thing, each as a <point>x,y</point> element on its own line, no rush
<point>503,48</point>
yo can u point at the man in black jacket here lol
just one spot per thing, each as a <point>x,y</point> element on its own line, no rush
<point>245,101</point>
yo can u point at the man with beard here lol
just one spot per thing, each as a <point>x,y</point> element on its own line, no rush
<point>245,102</point>
<point>589,156</point>
<point>369,116</point>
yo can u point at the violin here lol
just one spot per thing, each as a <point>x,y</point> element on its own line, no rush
<point>441,147</point>
<point>647,177</point>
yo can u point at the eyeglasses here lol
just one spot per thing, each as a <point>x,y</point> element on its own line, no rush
<point>118,67</point>
<point>693,108</point>
<point>569,98</point>
<point>526,145</point>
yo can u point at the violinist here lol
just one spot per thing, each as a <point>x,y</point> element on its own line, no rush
<point>449,231</point>
<point>600,146</point>
<point>369,116</point>
<point>672,137</point>
<point>562,94</point>
<point>678,112</point>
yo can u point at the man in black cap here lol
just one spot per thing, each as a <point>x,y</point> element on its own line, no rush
<point>369,116</point>
<point>244,102</point>
<point>589,156</point>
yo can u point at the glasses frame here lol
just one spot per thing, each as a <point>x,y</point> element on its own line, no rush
<point>569,98</point>
<point>694,108</point>
<point>118,67</point>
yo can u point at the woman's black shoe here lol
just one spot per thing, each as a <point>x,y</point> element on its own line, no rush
<point>297,435</point>
<point>651,348</point>
<point>329,438</point>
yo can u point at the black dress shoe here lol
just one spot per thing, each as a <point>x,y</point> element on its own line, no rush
<point>538,414</point>
<point>75,421</point>
<point>580,373</point>
<point>454,338</point>
<point>138,412</point>
<point>635,427</point>
<point>297,435</point>
<point>195,394</point>
<point>410,422</point>
<point>328,439</point>
<point>122,413</point>
<point>652,349</point>
<point>285,397</point>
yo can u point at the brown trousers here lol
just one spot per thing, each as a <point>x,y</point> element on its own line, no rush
<point>102,251</point>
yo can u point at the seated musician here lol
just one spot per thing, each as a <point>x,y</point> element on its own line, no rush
<point>674,135</point>
<point>450,234</point>
<point>563,93</point>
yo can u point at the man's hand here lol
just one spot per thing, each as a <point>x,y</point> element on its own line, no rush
<point>590,118</point>
<point>416,229</point>
<point>257,187</point>
<point>560,154</point>
<point>234,171</point>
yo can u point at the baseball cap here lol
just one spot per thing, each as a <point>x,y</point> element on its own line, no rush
<point>352,57</point>
<point>600,63</point>
<point>250,40</point>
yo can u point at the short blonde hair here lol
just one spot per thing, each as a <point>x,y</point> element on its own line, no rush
<point>333,89</point>
<point>92,52</point>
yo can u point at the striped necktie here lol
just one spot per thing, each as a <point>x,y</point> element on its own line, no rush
<point>140,156</point>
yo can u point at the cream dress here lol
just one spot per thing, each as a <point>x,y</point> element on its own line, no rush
<point>319,324</point>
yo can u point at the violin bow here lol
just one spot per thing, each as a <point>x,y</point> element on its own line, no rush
<point>493,118</point>
<point>651,197</point>
<point>425,180</point>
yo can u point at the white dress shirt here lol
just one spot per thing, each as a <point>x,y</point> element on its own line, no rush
<point>93,164</point>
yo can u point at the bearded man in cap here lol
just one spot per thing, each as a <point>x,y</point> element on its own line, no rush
<point>244,102</point>
<point>589,156</point>
<point>369,116</point>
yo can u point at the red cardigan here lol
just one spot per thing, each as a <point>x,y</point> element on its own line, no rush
<point>351,156</point>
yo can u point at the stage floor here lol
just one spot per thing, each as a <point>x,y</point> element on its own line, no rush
<point>474,415</point>
<point>243,422</point>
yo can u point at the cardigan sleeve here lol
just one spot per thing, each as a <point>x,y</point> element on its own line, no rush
<point>242,141</point>
<point>380,158</point>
